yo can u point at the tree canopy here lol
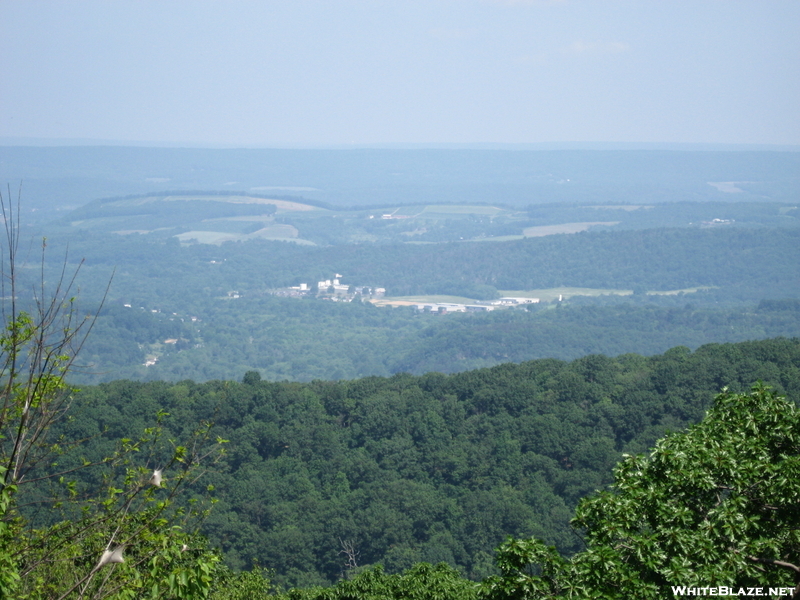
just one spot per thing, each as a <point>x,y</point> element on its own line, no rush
<point>427,468</point>
<point>106,526</point>
<point>715,506</point>
<point>710,511</point>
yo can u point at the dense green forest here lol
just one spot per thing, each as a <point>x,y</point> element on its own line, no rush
<point>716,502</point>
<point>424,468</point>
<point>293,339</point>
<point>735,280</point>
<point>747,264</point>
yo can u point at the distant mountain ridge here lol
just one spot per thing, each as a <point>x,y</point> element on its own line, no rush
<point>56,178</point>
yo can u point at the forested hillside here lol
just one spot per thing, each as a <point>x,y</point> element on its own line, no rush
<point>365,436</point>
<point>652,289</point>
<point>424,468</point>
<point>294,339</point>
<point>747,264</point>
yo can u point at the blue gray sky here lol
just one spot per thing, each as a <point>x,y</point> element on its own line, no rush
<point>326,72</point>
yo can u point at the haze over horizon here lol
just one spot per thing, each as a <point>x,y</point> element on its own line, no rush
<point>434,72</point>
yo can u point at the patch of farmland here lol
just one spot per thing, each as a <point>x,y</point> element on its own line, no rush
<point>456,209</point>
<point>550,294</point>
<point>275,232</point>
<point>625,207</point>
<point>208,237</point>
<point>498,238</point>
<point>245,218</point>
<point>542,230</point>
<point>405,211</point>
<point>280,204</point>
<point>683,291</point>
<point>414,300</point>
<point>99,222</point>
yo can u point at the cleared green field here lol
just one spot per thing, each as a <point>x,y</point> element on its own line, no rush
<point>266,227</point>
<point>441,211</point>
<point>684,291</point>
<point>461,209</point>
<point>285,233</point>
<point>247,218</point>
<point>276,231</point>
<point>543,230</point>
<point>550,294</point>
<point>625,207</point>
<point>208,237</point>
<point>404,211</point>
<point>207,218</point>
<point>99,222</point>
<point>547,295</point>
<point>498,238</point>
<point>282,205</point>
<point>409,300</point>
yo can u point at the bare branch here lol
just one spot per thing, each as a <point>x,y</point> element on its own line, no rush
<point>777,563</point>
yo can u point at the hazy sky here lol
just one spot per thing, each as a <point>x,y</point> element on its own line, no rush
<point>316,72</point>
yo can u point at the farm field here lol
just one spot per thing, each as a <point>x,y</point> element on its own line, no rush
<point>281,205</point>
<point>498,238</point>
<point>464,209</point>
<point>216,218</point>
<point>276,232</point>
<point>550,294</point>
<point>542,230</point>
<point>412,300</point>
<point>547,295</point>
<point>544,295</point>
<point>684,291</point>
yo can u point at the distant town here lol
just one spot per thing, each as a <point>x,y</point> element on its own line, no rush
<point>336,291</point>
<point>333,290</point>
